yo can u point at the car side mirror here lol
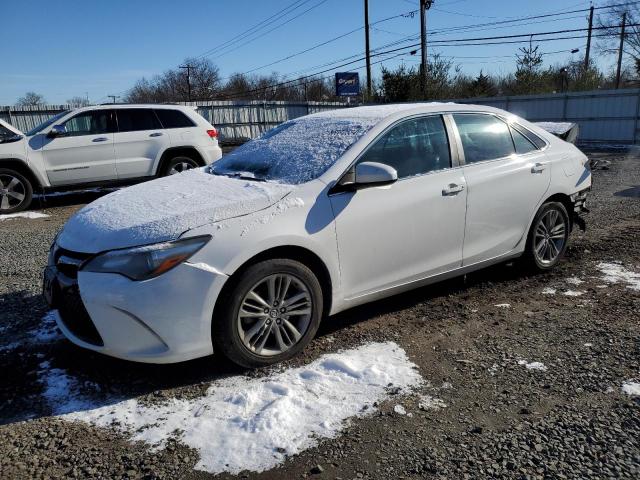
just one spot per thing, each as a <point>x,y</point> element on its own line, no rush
<point>374,173</point>
<point>57,131</point>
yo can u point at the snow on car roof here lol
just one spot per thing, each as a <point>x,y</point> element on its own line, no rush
<point>378,112</point>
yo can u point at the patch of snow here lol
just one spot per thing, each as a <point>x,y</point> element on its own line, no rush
<point>206,267</point>
<point>65,393</point>
<point>557,128</point>
<point>282,206</point>
<point>427,402</point>
<point>631,388</point>
<point>161,210</point>
<point>446,386</point>
<point>616,273</point>
<point>574,280</point>
<point>32,215</point>
<point>533,365</point>
<point>574,293</point>
<point>254,424</point>
<point>493,369</point>
<point>588,344</point>
<point>549,291</point>
<point>48,330</point>
<point>503,305</point>
<point>400,410</point>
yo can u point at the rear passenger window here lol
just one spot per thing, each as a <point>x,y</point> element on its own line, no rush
<point>174,119</point>
<point>522,143</point>
<point>535,139</point>
<point>413,147</point>
<point>484,137</point>
<point>137,119</point>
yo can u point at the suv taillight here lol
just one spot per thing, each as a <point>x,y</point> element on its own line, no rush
<point>212,133</point>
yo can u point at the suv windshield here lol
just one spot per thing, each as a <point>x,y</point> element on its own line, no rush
<point>45,124</point>
<point>297,151</point>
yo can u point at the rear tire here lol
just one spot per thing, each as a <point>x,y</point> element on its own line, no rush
<point>271,312</point>
<point>16,191</point>
<point>548,237</point>
<point>179,164</point>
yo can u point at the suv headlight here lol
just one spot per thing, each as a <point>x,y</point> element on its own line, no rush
<point>143,263</point>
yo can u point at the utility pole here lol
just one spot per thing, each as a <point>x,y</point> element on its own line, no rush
<point>113,97</point>
<point>188,68</point>
<point>586,55</point>
<point>624,22</point>
<point>424,6</point>
<point>366,42</point>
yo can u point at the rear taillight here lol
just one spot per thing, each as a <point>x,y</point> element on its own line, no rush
<point>212,133</point>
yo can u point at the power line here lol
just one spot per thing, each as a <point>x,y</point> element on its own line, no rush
<point>256,27</point>
<point>236,47</point>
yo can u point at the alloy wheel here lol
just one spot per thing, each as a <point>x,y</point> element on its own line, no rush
<point>550,237</point>
<point>12,192</point>
<point>274,315</point>
<point>181,167</point>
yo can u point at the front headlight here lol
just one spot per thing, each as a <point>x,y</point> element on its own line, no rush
<point>142,263</point>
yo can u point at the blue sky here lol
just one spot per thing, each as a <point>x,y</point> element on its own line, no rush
<point>95,48</point>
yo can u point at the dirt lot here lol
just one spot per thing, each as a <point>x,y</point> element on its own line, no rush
<point>523,374</point>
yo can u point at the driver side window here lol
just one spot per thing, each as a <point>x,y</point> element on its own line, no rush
<point>88,123</point>
<point>413,147</point>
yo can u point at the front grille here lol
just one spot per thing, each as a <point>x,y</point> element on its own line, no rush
<point>68,263</point>
<point>75,317</point>
<point>72,311</point>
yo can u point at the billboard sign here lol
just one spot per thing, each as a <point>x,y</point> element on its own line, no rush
<point>347,84</point>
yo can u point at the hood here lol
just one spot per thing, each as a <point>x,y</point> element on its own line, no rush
<point>161,210</point>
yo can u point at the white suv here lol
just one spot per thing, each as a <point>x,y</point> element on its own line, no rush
<point>102,145</point>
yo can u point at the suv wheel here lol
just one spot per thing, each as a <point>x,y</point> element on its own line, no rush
<point>548,236</point>
<point>16,191</point>
<point>179,165</point>
<point>272,312</point>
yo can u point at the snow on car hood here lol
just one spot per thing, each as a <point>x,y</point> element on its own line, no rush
<point>163,209</point>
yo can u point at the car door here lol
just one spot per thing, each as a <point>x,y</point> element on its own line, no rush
<point>504,186</point>
<point>139,142</point>
<point>83,152</point>
<point>395,234</point>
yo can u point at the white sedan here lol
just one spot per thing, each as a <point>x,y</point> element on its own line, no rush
<point>320,214</point>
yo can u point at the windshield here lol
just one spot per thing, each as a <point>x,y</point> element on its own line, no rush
<point>6,134</point>
<point>45,124</point>
<point>297,151</point>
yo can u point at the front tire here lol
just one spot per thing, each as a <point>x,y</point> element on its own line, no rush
<point>271,312</point>
<point>16,191</point>
<point>548,236</point>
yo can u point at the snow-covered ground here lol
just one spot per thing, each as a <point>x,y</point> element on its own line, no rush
<point>617,273</point>
<point>533,365</point>
<point>10,216</point>
<point>631,388</point>
<point>249,423</point>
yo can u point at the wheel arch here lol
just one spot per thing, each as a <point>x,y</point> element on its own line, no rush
<point>291,252</point>
<point>173,152</point>
<point>565,200</point>
<point>23,168</point>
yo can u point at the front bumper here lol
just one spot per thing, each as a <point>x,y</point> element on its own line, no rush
<point>166,319</point>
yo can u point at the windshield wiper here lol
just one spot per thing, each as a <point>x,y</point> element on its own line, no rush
<point>240,175</point>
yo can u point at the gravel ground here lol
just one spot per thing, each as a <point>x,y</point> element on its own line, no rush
<point>485,410</point>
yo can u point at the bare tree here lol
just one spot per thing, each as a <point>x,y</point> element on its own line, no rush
<point>172,86</point>
<point>78,101</point>
<point>30,99</point>
<point>611,20</point>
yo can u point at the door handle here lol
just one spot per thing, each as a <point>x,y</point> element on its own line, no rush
<point>157,134</point>
<point>100,139</point>
<point>538,167</point>
<point>452,189</point>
